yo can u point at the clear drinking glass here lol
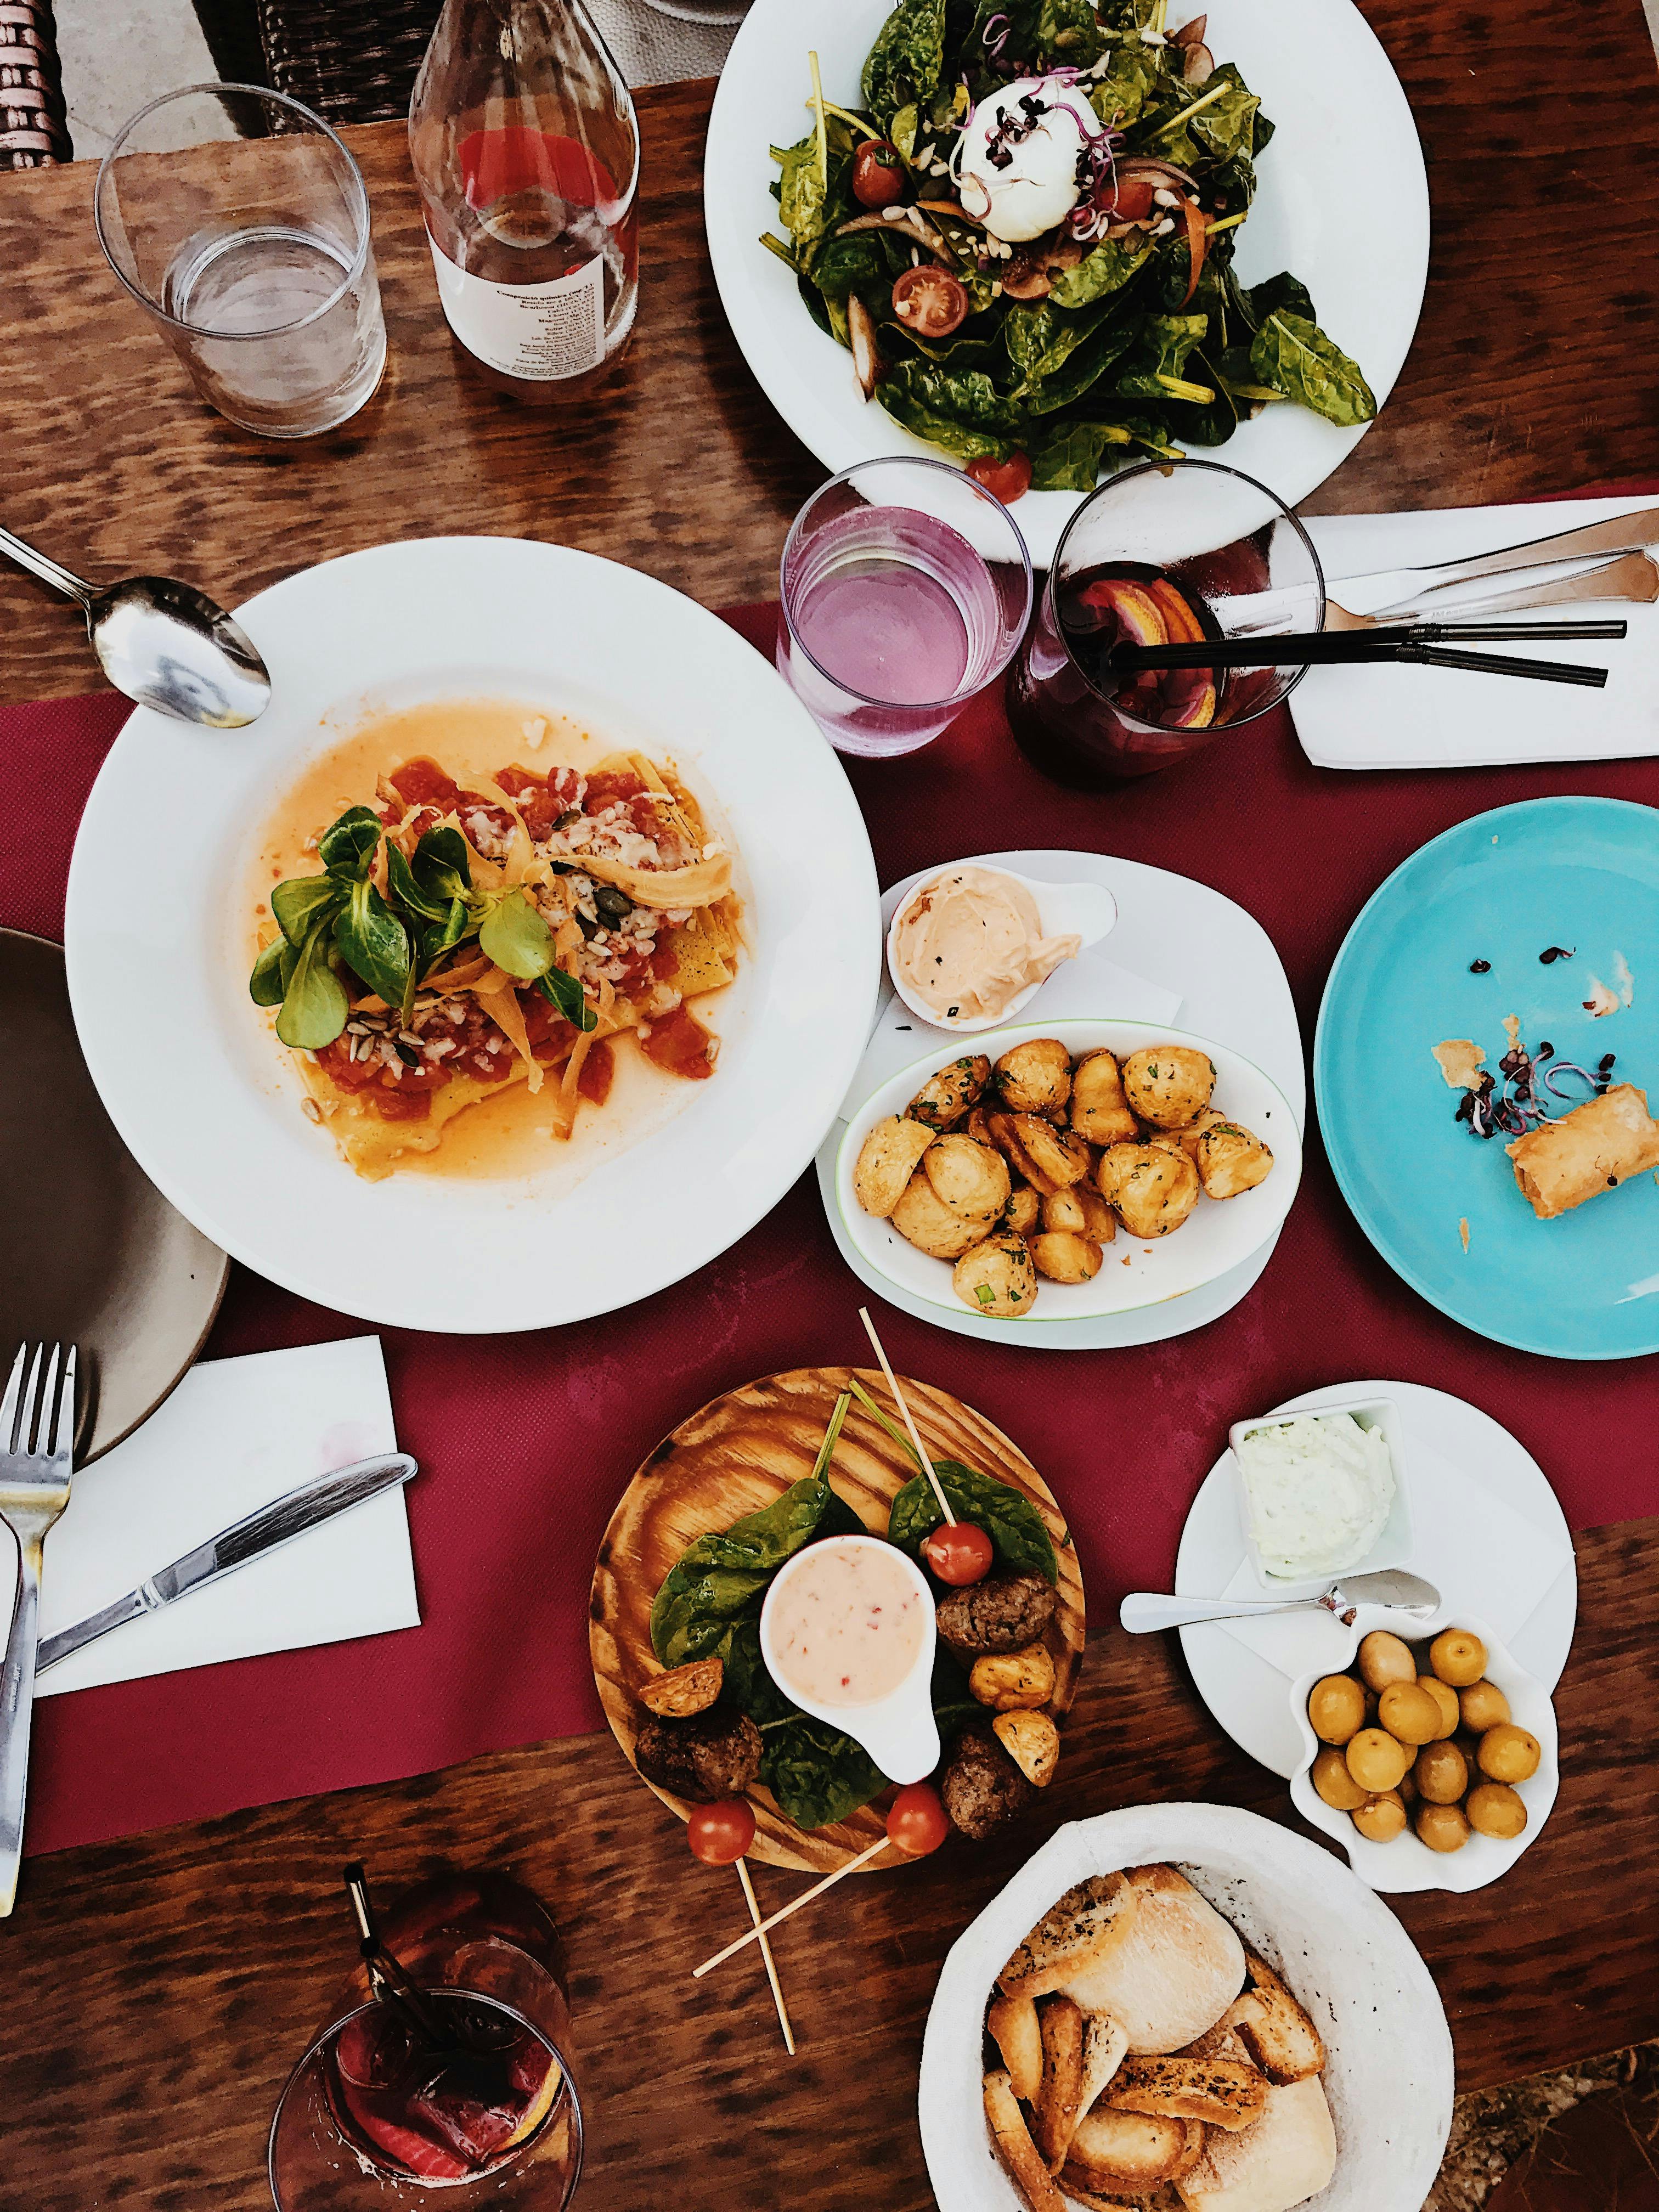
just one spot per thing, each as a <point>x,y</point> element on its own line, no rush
<point>253,254</point>
<point>1160,553</point>
<point>368,2122</point>
<point>906,588</point>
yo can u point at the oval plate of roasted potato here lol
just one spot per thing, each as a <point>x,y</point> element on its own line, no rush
<point>1054,1172</point>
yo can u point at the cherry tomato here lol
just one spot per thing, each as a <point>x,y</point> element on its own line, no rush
<point>930,302</point>
<point>718,1834</point>
<point>1006,480</point>
<point>959,1553</point>
<point>1132,201</point>
<point>879,176</point>
<point>917,1821</point>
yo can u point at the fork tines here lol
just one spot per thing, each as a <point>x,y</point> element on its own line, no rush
<point>37,1415</point>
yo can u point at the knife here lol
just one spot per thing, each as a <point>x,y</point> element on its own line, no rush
<point>273,1525</point>
<point>1620,533</point>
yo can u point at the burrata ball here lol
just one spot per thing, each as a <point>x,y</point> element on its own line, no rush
<point>1018,163</point>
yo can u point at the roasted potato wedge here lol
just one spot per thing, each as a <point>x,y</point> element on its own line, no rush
<point>887,1159</point>
<point>1113,1163</point>
<point>1023,1212</point>
<point>949,1092</point>
<point>1099,1222</point>
<point>922,1219</point>
<point>1034,1078</point>
<point>1168,1085</point>
<point>973,1180</point>
<point>1155,1194</point>
<point>1100,1111</point>
<point>1014,1681</point>
<point>1061,1158</point>
<point>1065,1258</point>
<point>1188,1138</point>
<point>1006,1137</point>
<point>1229,1159</point>
<point>685,1690</point>
<point>1063,1212</point>
<point>997,1278</point>
<point>1032,1741</point>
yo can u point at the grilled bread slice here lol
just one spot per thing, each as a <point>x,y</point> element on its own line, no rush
<point>1288,2156</point>
<point>1219,2090</point>
<point>1012,2025</point>
<point>1176,1968</point>
<point>1021,2159</point>
<point>1078,1931</point>
<point>1060,2097</point>
<point>1273,2027</point>
<point>1130,2154</point>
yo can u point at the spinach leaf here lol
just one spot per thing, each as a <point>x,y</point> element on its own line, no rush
<point>272,971</point>
<point>1012,1522</point>
<point>1226,128</point>
<point>514,936</point>
<point>1213,423</point>
<point>1070,457</point>
<point>374,943</point>
<point>1105,344</point>
<point>1294,355</point>
<point>1108,268</point>
<point>564,994</point>
<point>1135,80</point>
<point>803,196</point>
<point>348,846</point>
<point>902,131</point>
<point>1277,294</point>
<point>303,902</point>
<point>719,1577</point>
<point>858,265</point>
<point>1068,31</point>
<point>1041,339</point>
<point>955,1706</point>
<point>1160,351</point>
<point>818,1775</point>
<point>315,1007</point>
<point>960,410</point>
<point>906,62</point>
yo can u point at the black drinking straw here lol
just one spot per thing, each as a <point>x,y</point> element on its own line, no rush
<point>387,1978</point>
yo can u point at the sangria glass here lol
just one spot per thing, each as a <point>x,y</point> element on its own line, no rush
<point>906,589</point>
<point>1163,553</point>
<point>373,2116</point>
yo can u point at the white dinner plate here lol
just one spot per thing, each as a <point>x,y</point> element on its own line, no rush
<point>1180,953</point>
<point>159,929</point>
<point>1342,202</point>
<point>1473,1455</point>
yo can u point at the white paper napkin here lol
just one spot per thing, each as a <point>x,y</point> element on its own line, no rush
<point>1484,1557</point>
<point>1404,717</point>
<point>235,1434</point>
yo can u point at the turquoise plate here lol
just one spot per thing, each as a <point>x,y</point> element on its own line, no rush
<point>1582,872</point>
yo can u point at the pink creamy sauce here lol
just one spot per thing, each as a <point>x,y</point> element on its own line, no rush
<point>847,1623</point>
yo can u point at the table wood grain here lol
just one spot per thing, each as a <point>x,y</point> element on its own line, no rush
<point>1533,369</point>
<point>157,1989</point>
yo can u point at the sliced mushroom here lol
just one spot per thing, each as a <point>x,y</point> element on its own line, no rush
<point>919,234</point>
<point>861,328</point>
<point>1190,34</point>
<point>1199,65</point>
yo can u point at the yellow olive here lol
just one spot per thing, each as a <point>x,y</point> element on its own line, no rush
<point>1442,1773</point>
<point>1384,1659</point>
<point>1508,1753</point>
<point>1483,1705</point>
<point>1458,1657</point>
<point>1409,1713</point>
<point>1336,1708</point>
<point>1376,1761</point>
<point>1445,1698</point>
<point>1381,1818</point>
<point>1443,1827</point>
<point>1495,1809</point>
<point>1332,1779</point>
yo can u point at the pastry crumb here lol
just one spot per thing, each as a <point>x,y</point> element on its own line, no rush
<point>1463,1230</point>
<point>1601,1001</point>
<point>1460,1060</point>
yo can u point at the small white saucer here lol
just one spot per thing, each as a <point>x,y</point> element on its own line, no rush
<point>1472,1461</point>
<point>1181,953</point>
<point>1085,911</point>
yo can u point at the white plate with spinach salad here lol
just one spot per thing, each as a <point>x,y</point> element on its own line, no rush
<point>990,224</point>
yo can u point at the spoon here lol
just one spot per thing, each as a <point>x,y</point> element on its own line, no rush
<point>163,643</point>
<point>1143,1611</point>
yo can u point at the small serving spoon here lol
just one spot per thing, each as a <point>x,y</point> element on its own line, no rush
<point>1143,1611</point>
<point>165,644</point>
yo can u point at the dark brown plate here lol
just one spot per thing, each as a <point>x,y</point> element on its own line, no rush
<point>94,1256</point>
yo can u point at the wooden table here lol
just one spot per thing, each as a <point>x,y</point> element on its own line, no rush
<point>158,1988</point>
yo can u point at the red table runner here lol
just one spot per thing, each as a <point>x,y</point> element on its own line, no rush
<point>527,1441</point>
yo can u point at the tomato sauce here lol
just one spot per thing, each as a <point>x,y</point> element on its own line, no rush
<point>679,1044</point>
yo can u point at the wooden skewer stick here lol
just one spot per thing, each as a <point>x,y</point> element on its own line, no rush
<point>763,1928</point>
<point>915,1436</point>
<point>766,1954</point>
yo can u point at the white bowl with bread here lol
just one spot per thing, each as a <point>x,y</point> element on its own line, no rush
<point>1189,2008</point>
<point>1512,1788</point>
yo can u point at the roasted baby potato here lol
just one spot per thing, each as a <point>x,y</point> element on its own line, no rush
<point>1014,1681</point>
<point>887,1160</point>
<point>1063,1210</point>
<point>1023,1212</point>
<point>971,1179</point>
<point>685,1690</point>
<point>947,1095</point>
<point>1114,1164</point>
<point>1100,1112</point>
<point>1032,1741</point>
<point>1034,1078</point>
<point>1230,1160</point>
<point>997,1278</point>
<point>922,1219</point>
<point>1155,1194</point>
<point>1100,1222</point>
<point>1168,1085</point>
<point>1188,1137</point>
<point>1058,1158</point>
<point>1005,1137</point>
<point>1064,1257</point>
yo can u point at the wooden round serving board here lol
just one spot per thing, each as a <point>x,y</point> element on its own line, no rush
<point>738,1455</point>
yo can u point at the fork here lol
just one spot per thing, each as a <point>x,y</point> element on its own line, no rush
<point>37,1434</point>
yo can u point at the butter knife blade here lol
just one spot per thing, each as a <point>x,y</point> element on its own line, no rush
<point>265,1530</point>
<point>1380,588</point>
